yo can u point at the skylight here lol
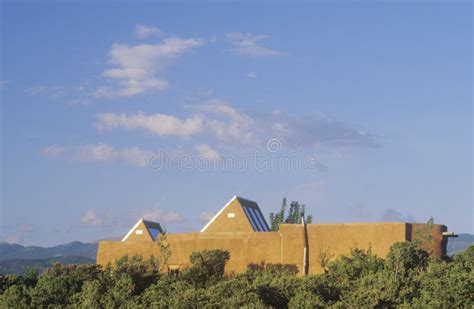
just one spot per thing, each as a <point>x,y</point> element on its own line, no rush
<point>153,232</point>
<point>256,219</point>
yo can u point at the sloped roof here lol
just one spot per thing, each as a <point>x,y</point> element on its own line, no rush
<point>153,229</point>
<point>252,213</point>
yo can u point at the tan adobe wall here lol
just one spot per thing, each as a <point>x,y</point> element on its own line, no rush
<point>338,239</point>
<point>110,251</point>
<point>285,246</point>
<point>244,248</point>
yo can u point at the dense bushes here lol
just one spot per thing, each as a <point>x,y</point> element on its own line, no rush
<point>406,278</point>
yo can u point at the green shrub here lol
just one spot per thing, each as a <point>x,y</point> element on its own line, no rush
<point>59,284</point>
<point>405,279</point>
<point>207,266</point>
<point>15,296</point>
<point>143,273</point>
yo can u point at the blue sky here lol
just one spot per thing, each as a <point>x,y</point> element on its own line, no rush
<point>374,100</point>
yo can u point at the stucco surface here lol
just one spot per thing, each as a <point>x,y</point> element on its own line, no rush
<point>285,246</point>
<point>232,218</point>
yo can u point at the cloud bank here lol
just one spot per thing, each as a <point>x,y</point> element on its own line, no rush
<point>101,153</point>
<point>226,125</point>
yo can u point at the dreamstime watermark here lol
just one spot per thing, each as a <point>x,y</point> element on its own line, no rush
<point>270,160</point>
<point>273,145</point>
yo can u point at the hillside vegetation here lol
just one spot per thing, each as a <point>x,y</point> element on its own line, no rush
<point>407,278</point>
<point>22,266</point>
<point>75,248</point>
<point>18,259</point>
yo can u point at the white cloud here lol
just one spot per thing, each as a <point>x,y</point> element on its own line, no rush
<point>247,44</point>
<point>226,125</point>
<point>230,125</point>
<point>143,31</point>
<point>252,75</point>
<point>317,130</point>
<point>131,88</point>
<point>216,118</point>
<point>162,216</point>
<point>102,153</point>
<point>34,90</point>
<point>137,68</point>
<point>206,216</point>
<point>159,124</point>
<point>136,156</point>
<point>207,152</point>
<point>90,217</point>
<point>96,152</point>
<point>53,151</point>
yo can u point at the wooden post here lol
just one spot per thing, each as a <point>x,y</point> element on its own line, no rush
<point>305,247</point>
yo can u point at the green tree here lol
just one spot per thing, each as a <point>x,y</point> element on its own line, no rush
<point>165,251</point>
<point>448,284</point>
<point>278,218</point>
<point>357,264</point>
<point>15,296</point>
<point>207,266</point>
<point>7,281</point>
<point>306,299</point>
<point>294,215</point>
<point>58,284</point>
<point>233,293</point>
<point>91,295</point>
<point>423,237</point>
<point>402,271</point>
<point>159,295</point>
<point>407,278</point>
<point>121,293</point>
<point>405,257</point>
<point>142,272</point>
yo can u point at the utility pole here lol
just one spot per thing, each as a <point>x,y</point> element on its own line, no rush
<point>305,247</point>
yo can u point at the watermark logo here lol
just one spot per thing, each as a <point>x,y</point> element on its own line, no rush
<point>273,145</point>
<point>272,160</point>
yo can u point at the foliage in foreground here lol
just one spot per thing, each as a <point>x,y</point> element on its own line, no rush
<point>292,215</point>
<point>407,278</point>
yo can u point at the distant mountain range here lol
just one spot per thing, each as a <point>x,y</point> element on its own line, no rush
<point>17,259</point>
<point>459,243</point>
<point>75,248</point>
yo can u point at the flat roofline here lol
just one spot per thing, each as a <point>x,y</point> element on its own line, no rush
<point>367,223</point>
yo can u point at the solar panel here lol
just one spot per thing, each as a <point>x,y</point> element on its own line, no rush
<point>262,221</point>
<point>153,232</point>
<point>251,220</point>
<point>256,219</point>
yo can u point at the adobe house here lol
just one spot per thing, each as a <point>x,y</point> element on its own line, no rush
<point>241,228</point>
